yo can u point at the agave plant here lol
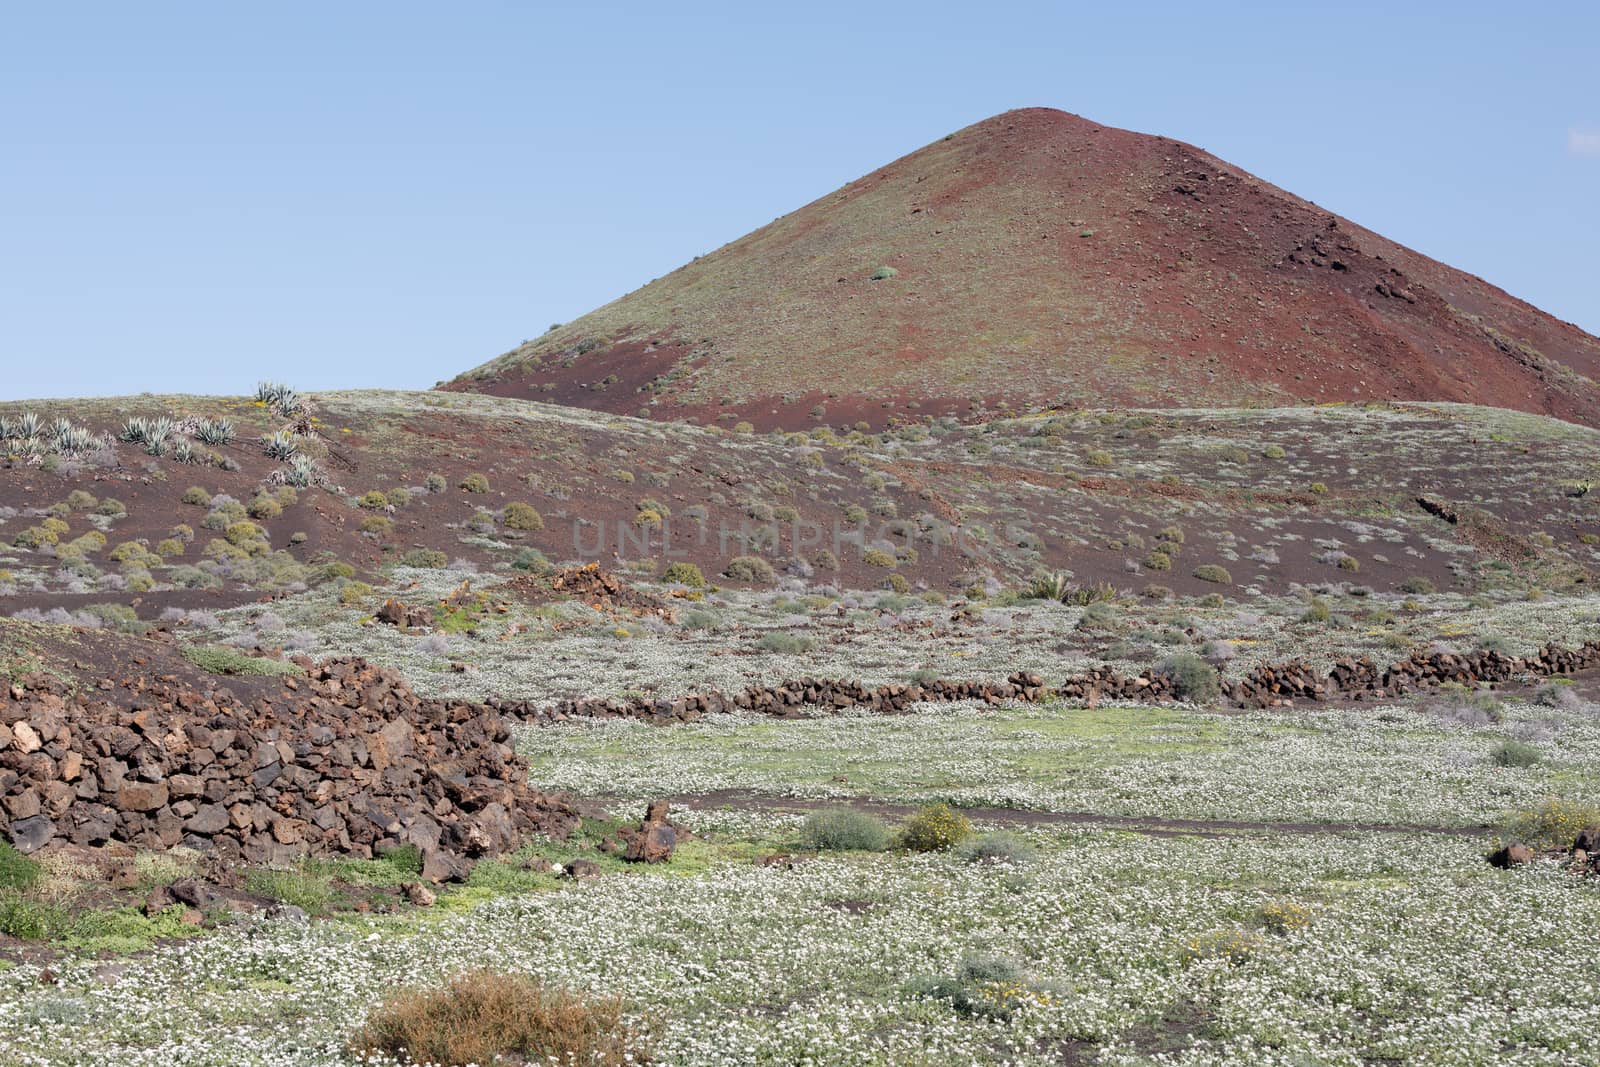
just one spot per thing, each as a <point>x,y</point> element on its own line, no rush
<point>157,435</point>
<point>1053,585</point>
<point>214,431</point>
<point>278,397</point>
<point>183,451</point>
<point>8,428</point>
<point>153,434</point>
<point>301,472</point>
<point>134,430</point>
<point>280,445</point>
<point>1084,595</point>
<point>28,425</point>
<point>77,439</point>
<point>60,432</point>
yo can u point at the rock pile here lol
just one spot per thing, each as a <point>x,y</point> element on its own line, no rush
<point>655,838</point>
<point>346,760</point>
<point>1362,679</point>
<point>785,700</point>
<point>395,613</point>
<point>1266,686</point>
<point>590,585</point>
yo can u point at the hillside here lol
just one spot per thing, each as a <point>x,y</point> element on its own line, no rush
<point>1279,498</point>
<point>1039,260</point>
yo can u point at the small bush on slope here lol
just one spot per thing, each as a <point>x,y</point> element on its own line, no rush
<point>842,830</point>
<point>936,828</point>
<point>1192,677</point>
<point>483,1017</point>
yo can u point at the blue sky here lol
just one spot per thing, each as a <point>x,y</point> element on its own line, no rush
<point>196,196</point>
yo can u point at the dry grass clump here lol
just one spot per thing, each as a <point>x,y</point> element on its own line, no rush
<point>482,1015</point>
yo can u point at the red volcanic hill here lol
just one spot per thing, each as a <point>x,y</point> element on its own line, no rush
<point>1038,260</point>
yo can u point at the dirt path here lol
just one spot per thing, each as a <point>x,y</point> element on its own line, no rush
<point>749,800</point>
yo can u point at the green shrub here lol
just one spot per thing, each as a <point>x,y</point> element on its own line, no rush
<point>407,859</point>
<point>877,557</point>
<point>487,1017</point>
<point>129,552</point>
<point>1274,452</point>
<point>35,537</point>
<point>475,483</point>
<point>1515,754</point>
<point>354,593</point>
<point>996,848</point>
<point>1496,643</point>
<point>1051,585</point>
<point>1316,611</point>
<point>434,483</point>
<point>265,507</point>
<point>985,987</point>
<point>240,534</point>
<point>223,515</point>
<point>374,500</point>
<point>533,561</point>
<point>825,560</point>
<point>1098,617</point>
<point>305,889</point>
<point>1098,457</point>
<point>1417,585</point>
<point>118,617</point>
<point>16,870</point>
<point>90,543</point>
<point>26,918</point>
<point>681,573</point>
<point>1158,560</point>
<point>1211,572</point>
<point>936,828</point>
<point>1553,824</point>
<point>782,641</point>
<point>701,620</point>
<point>1192,677</point>
<point>218,659</point>
<point>521,516</point>
<point>430,558</point>
<point>1557,693</point>
<point>845,830</point>
<point>1093,593</point>
<point>751,569</point>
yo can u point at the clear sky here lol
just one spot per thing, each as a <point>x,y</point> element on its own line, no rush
<point>196,196</point>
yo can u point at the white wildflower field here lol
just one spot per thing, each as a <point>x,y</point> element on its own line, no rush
<point>1415,951</point>
<point>1390,765</point>
<point>1250,941</point>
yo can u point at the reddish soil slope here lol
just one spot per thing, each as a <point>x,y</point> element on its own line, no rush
<point>1038,259</point>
